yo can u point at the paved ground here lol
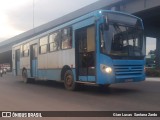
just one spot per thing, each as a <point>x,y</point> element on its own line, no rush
<point>50,96</point>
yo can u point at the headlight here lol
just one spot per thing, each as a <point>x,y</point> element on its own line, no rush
<point>1,71</point>
<point>108,69</point>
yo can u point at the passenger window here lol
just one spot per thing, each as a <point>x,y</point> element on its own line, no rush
<point>87,37</point>
<point>91,38</point>
<point>34,51</point>
<point>43,44</point>
<point>54,40</point>
<point>66,38</point>
<point>25,50</point>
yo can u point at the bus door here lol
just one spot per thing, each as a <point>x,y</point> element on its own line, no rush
<point>85,54</point>
<point>33,59</point>
<point>17,62</point>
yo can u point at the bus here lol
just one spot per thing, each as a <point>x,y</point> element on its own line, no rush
<point>102,47</point>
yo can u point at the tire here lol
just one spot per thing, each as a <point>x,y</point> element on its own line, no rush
<point>69,82</point>
<point>25,76</point>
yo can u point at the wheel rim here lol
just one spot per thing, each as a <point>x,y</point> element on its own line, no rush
<point>69,80</point>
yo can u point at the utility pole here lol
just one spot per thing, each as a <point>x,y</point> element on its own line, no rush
<point>33,18</point>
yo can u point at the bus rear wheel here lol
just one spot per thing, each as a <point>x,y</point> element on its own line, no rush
<point>69,82</point>
<point>24,76</point>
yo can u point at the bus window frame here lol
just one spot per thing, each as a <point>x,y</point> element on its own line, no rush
<point>71,35</point>
<point>44,44</point>
<point>59,42</point>
<point>23,51</point>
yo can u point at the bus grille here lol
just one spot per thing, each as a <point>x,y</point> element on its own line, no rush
<point>128,70</point>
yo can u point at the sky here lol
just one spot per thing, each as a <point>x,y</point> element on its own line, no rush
<point>16,16</point>
<point>150,44</point>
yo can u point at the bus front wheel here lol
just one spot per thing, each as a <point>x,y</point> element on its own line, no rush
<point>69,82</point>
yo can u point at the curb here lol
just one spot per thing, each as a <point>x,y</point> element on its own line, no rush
<point>153,79</point>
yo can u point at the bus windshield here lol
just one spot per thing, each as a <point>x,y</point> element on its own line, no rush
<point>122,41</point>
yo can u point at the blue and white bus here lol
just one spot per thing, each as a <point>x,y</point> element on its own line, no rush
<point>102,47</point>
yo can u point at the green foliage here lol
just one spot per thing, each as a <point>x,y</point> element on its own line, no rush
<point>151,72</point>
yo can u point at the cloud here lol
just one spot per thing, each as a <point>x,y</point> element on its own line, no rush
<point>13,4</point>
<point>9,21</point>
<point>20,18</point>
<point>6,29</point>
<point>48,10</point>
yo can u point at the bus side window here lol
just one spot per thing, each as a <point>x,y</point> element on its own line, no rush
<point>43,45</point>
<point>53,42</point>
<point>91,39</point>
<point>66,38</point>
<point>82,38</point>
<point>25,50</point>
